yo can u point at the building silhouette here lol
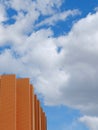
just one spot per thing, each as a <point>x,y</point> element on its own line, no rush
<point>19,107</point>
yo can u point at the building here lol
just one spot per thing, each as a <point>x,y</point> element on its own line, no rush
<point>19,107</point>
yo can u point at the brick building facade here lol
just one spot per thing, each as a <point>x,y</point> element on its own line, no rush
<point>19,107</point>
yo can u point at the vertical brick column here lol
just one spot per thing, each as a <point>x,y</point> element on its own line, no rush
<point>42,119</point>
<point>39,116</point>
<point>23,105</point>
<point>45,123</point>
<point>35,111</point>
<point>8,102</point>
<point>38,113</point>
<point>32,108</point>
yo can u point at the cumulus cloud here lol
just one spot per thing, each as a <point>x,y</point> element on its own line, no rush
<point>80,61</point>
<point>91,122</point>
<point>2,13</point>
<point>68,76</point>
<point>59,17</point>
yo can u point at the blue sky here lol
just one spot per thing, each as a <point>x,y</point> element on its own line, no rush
<point>55,44</point>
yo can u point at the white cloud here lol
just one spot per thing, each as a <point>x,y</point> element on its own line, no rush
<point>48,6</point>
<point>44,7</point>
<point>80,61</point>
<point>68,77</point>
<point>74,82</point>
<point>2,13</point>
<point>9,64</point>
<point>62,16</point>
<point>18,4</point>
<point>91,122</point>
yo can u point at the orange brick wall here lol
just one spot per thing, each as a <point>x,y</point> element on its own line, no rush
<point>23,105</point>
<point>19,107</point>
<point>8,102</point>
<point>31,100</point>
<point>39,116</point>
<point>45,122</point>
<point>41,119</point>
<point>36,112</point>
<point>32,108</point>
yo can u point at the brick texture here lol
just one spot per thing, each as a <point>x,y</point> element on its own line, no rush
<point>20,108</point>
<point>23,105</point>
<point>8,102</point>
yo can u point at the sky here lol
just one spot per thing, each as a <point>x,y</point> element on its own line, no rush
<point>55,44</point>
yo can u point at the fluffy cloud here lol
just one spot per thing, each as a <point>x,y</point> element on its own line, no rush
<point>91,122</point>
<point>2,13</point>
<point>63,69</point>
<point>74,82</point>
<point>59,17</point>
<point>80,61</point>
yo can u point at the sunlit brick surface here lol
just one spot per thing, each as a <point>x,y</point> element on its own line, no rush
<point>20,108</point>
<point>32,108</point>
<point>39,117</point>
<point>36,112</point>
<point>8,103</point>
<point>23,105</point>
